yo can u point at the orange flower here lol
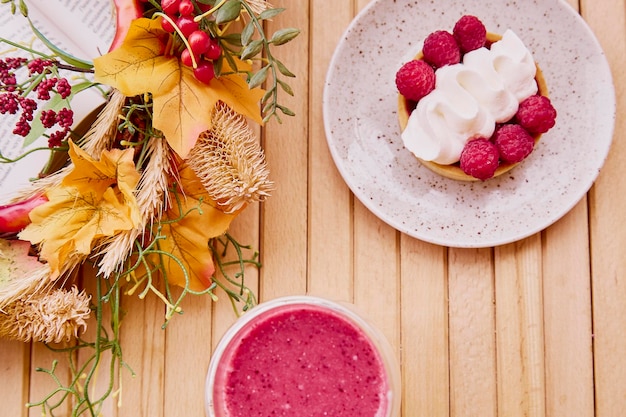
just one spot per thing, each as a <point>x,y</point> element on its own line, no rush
<point>182,104</point>
<point>95,200</point>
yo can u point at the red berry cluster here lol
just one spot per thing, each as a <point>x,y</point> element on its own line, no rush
<point>38,65</point>
<point>28,106</point>
<point>7,72</point>
<point>14,97</point>
<point>200,48</point>
<point>63,88</point>
<point>64,118</point>
<point>511,142</point>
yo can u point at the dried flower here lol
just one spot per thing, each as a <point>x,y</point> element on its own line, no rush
<point>229,161</point>
<point>258,6</point>
<point>149,191</point>
<point>100,137</point>
<point>19,287</point>
<point>96,200</point>
<point>102,133</point>
<point>49,317</point>
<point>151,198</point>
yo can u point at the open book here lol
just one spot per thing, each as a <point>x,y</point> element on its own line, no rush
<point>85,29</point>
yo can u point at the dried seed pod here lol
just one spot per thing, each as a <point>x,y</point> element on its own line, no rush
<point>229,161</point>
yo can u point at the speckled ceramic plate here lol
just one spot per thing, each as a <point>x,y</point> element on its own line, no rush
<point>364,136</point>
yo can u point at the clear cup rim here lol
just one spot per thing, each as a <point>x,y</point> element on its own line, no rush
<point>347,310</point>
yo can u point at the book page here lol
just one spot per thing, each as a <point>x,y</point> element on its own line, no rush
<point>84,28</point>
<point>88,25</point>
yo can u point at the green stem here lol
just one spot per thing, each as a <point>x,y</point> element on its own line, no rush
<point>97,353</point>
<point>269,59</point>
<point>194,63</point>
<point>23,48</point>
<point>5,160</point>
<point>210,11</point>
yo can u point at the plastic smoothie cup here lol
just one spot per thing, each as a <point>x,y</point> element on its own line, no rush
<point>303,356</point>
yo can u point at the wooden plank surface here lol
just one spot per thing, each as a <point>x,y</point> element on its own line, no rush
<point>607,223</point>
<point>536,328</point>
<point>14,368</point>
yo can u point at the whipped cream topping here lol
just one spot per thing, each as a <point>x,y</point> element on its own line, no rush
<point>470,98</point>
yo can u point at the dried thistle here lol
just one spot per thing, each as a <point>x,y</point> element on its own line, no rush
<point>229,161</point>
<point>49,317</point>
<point>258,6</point>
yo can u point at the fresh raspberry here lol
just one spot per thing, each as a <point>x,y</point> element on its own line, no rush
<point>513,142</point>
<point>536,114</point>
<point>441,49</point>
<point>415,79</point>
<point>480,158</point>
<point>470,33</point>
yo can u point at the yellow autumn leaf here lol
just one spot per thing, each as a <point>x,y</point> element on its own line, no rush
<point>95,200</point>
<point>182,105</point>
<point>184,112</point>
<point>187,226</point>
<point>139,65</point>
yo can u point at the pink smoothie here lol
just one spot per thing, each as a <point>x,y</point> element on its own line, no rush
<point>301,360</point>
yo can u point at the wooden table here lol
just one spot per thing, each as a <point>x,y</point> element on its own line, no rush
<point>532,328</point>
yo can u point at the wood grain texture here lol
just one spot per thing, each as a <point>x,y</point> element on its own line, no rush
<point>424,318</point>
<point>472,333</point>
<point>14,368</point>
<point>520,329</point>
<point>607,223</point>
<point>330,219</point>
<point>284,229</point>
<point>567,312</point>
<point>41,384</point>
<point>143,343</point>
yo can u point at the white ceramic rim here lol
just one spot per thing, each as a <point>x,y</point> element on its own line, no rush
<point>512,209</point>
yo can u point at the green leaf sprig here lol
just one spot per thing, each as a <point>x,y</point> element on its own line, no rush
<point>246,46</point>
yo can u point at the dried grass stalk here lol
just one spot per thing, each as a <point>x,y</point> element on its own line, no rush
<point>49,317</point>
<point>20,286</point>
<point>229,161</point>
<point>99,137</point>
<point>152,197</point>
<point>102,133</point>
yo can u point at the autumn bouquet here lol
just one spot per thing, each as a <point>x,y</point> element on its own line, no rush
<point>144,191</point>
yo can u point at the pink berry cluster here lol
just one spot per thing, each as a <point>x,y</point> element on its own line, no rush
<point>14,97</point>
<point>200,50</point>
<point>511,142</point>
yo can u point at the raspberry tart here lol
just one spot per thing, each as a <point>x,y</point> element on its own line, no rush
<point>472,86</point>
